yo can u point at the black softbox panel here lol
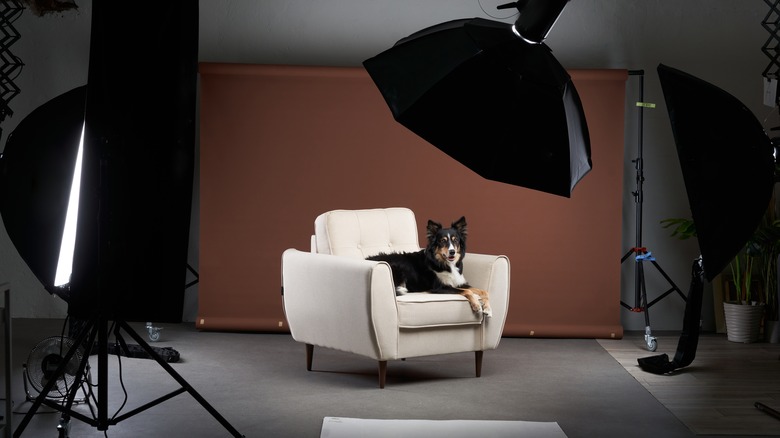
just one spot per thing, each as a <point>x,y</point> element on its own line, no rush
<point>136,193</point>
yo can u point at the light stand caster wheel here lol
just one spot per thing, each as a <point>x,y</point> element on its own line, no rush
<point>154,332</point>
<point>652,344</point>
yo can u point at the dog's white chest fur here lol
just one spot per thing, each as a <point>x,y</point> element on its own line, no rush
<point>452,277</point>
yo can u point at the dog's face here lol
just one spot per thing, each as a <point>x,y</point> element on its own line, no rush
<point>448,245</point>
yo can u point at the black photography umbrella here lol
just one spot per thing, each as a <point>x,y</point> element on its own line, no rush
<point>725,156</point>
<point>500,105</point>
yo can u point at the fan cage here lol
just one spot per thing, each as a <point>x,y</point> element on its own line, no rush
<point>43,361</point>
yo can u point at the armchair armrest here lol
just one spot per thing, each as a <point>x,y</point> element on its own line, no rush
<point>491,273</point>
<point>340,302</point>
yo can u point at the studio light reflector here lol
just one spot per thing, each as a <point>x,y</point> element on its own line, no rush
<point>724,155</point>
<point>129,252</point>
<point>36,178</point>
<point>500,105</point>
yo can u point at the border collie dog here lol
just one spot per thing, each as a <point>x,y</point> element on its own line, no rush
<point>438,268</point>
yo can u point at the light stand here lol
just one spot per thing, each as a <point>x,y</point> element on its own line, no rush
<point>770,24</point>
<point>736,159</point>
<point>134,198</point>
<point>642,253</point>
<point>95,332</point>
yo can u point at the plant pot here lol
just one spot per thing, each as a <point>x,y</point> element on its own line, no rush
<point>772,331</point>
<point>743,322</point>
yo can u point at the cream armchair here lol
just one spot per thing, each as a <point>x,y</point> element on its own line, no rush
<point>334,298</point>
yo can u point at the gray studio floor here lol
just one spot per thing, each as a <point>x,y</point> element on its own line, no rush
<point>259,384</point>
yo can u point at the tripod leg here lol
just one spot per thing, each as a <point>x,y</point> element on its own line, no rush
<point>63,427</point>
<point>87,330</point>
<point>766,409</point>
<point>83,366</point>
<point>642,290</point>
<point>167,367</point>
<point>650,340</point>
<point>689,337</point>
<point>669,280</point>
<point>639,284</point>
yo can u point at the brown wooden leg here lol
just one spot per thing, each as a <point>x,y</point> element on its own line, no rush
<point>382,373</point>
<point>309,354</point>
<point>478,359</point>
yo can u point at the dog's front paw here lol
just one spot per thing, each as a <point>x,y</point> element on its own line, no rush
<point>487,311</point>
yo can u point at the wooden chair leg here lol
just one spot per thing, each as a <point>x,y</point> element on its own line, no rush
<point>382,373</point>
<point>478,359</point>
<point>309,354</point>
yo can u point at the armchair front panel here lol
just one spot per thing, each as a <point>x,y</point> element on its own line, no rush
<point>327,302</point>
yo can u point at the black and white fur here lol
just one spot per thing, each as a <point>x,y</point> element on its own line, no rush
<point>438,268</point>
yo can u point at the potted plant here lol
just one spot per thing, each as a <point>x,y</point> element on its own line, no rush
<point>766,240</point>
<point>744,308</point>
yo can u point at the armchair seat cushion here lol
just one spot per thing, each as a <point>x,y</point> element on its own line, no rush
<point>423,309</point>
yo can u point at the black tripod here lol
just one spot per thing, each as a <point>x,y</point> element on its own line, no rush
<point>642,253</point>
<point>95,333</point>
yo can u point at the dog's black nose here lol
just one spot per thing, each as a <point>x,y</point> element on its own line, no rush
<point>452,252</point>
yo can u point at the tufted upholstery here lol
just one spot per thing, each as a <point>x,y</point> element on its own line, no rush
<point>363,233</point>
<point>335,298</point>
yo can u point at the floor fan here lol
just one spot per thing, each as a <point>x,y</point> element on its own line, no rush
<point>42,363</point>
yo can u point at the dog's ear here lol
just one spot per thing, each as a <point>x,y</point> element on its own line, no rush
<point>433,228</point>
<point>460,225</point>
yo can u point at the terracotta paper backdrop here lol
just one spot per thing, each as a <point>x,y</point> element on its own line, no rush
<point>281,144</point>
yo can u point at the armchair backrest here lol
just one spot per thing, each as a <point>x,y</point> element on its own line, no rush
<point>363,233</point>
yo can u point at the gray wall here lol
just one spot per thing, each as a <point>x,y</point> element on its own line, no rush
<point>716,40</point>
